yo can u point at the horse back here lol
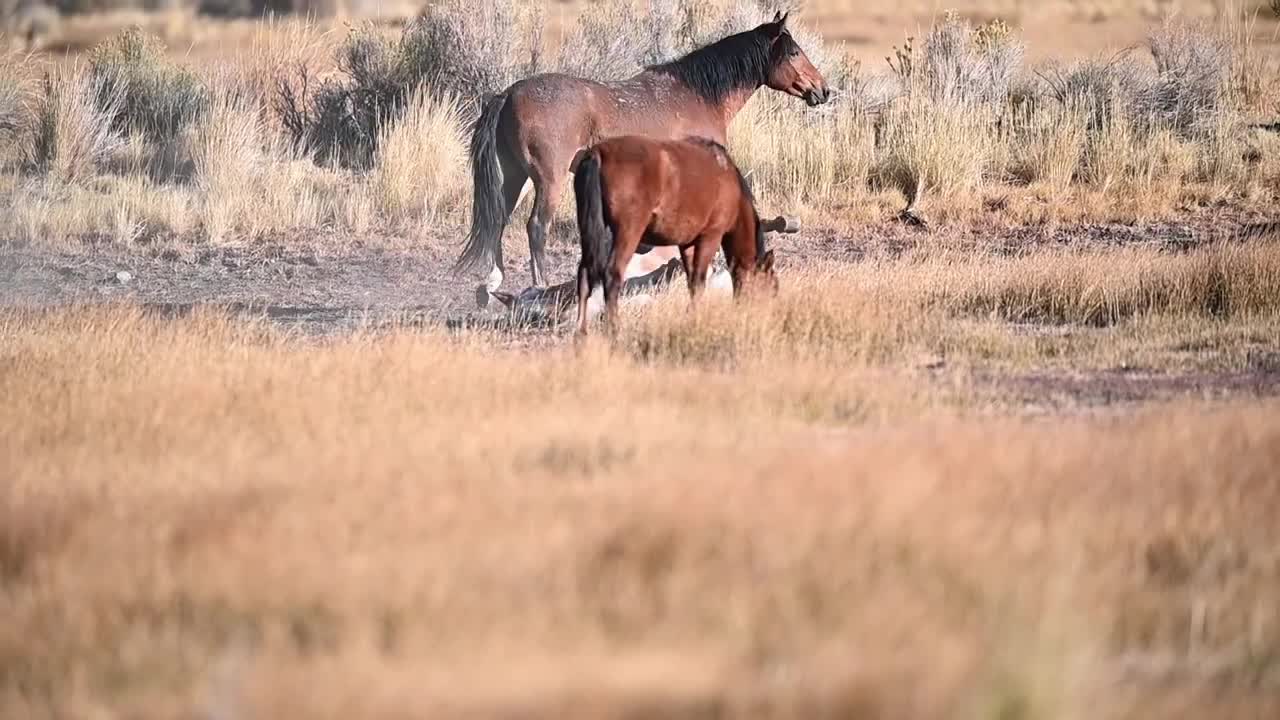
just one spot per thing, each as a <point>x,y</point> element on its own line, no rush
<point>679,189</point>
<point>558,112</point>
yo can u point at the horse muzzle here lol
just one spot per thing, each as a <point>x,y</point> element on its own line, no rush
<point>816,97</point>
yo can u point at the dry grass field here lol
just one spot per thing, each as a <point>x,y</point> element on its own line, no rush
<point>261,457</point>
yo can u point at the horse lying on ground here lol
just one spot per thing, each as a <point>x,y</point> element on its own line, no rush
<point>686,193</point>
<point>536,128</point>
<point>646,273</point>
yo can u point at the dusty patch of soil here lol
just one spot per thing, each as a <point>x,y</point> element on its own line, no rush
<point>1056,393</point>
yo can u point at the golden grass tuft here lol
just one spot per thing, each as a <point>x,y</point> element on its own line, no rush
<point>936,148</point>
<point>227,154</point>
<point>72,134</point>
<point>421,169</point>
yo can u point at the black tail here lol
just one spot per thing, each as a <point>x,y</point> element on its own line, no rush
<point>488,211</point>
<point>597,241</point>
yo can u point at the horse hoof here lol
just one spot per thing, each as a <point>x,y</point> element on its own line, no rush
<point>782,224</point>
<point>482,297</point>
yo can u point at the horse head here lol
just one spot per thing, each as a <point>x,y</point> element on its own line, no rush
<point>790,70</point>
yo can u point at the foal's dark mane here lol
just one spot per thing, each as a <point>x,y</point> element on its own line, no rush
<point>742,183</point>
<point>729,64</point>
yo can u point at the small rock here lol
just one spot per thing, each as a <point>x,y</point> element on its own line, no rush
<point>123,277</point>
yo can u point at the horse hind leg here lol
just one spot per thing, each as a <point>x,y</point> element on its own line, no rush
<point>515,182</point>
<point>625,240</point>
<point>547,184</point>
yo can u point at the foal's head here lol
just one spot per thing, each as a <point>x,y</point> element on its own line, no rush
<point>766,280</point>
<point>789,68</point>
<point>758,281</point>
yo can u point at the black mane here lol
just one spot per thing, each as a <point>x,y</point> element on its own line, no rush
<point>729,64</point>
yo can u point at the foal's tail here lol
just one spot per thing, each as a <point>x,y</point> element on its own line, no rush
<point>488,206</point>
<point>597,241</point>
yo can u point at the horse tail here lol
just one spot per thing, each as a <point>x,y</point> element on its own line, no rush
<point>597,241</point>
<point>488,206</point>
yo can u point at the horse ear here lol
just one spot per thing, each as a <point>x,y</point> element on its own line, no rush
<point>778,25</point>
<point>766,263</point>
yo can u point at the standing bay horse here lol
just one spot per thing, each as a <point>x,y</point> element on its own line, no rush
<point>688,193</point>
<point>538,126</point>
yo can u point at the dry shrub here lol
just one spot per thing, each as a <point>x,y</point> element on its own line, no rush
<point>453,48</point>
<point>1101,87</point>
<point>959,62</point>
<point>73,125</point>
<point>421,167</point>
<point>119,208</point>
<point>1221,158</point>
<point>1189,90</point>
<point>941,135</point>
<point>655,32</point>
<point>471,50</point>
<point>158,98</point>
<point>278,51</point>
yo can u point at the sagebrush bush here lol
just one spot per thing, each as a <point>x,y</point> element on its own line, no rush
<point>158,98</point>
<point>473,49</point>
<point>452,48</point>
<point>656,32</point>
<point>73,131</point>
<point>960,63</point>
<point>1193,70</point>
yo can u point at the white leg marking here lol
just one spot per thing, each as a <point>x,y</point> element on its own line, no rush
<point>494,281</point>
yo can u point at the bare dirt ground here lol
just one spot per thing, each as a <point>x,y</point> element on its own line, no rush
<point>325,285</point>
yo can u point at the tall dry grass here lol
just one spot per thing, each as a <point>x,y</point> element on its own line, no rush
<point>422,170</point>
<point>72,135</point>
<point>955,305</point>
<point>203,516</point>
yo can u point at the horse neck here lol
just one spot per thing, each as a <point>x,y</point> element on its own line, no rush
<point>734,102</point>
